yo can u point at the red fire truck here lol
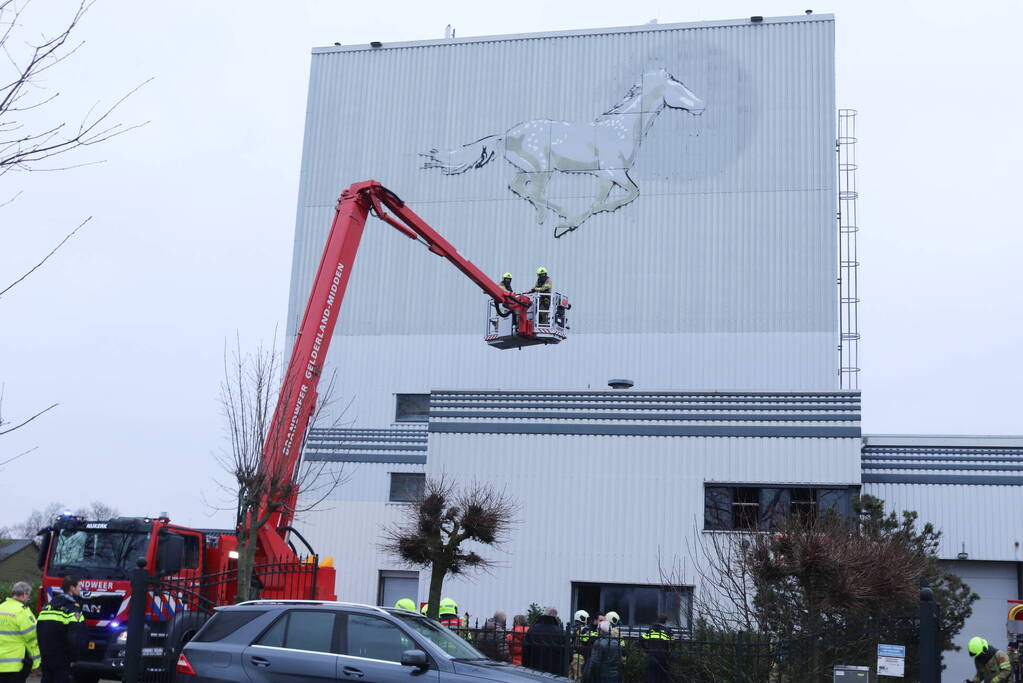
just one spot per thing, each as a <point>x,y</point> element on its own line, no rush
<point>196,568</point>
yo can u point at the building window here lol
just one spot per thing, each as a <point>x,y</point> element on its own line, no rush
<point>731,507</point>
<point>412,408</point>
<point>637,604</point>
<point>395,585</point>
<point>406,487</point>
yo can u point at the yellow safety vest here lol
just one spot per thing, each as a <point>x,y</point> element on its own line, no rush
<point>17,636</point>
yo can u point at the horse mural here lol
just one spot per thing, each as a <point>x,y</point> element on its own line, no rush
<point>604,148</point>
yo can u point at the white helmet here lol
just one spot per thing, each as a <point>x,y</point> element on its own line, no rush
<point>613,618</point>
<point>581,616</point>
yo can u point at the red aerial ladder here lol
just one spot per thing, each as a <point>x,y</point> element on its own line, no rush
<point>196,565</point>
<point>526,319</point>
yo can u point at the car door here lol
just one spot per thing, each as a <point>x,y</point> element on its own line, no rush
<point>371,649</point>
<point>300,646</point>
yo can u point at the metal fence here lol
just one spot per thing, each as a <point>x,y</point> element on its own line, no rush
<point>706,655</point>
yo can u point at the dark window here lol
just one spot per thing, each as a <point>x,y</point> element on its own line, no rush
<point>745,508</point>
<point>406,487</point>
<point>412,408</point>
<point>301,630</point>
<point>223,624</point>
<point>191,551</point>
<point>637,605</point>
<point>395,585</point>
<point>750,508</point>
<point>375,639</point>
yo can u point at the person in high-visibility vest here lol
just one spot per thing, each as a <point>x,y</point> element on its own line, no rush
<point>656,642</point>
<point>992,664</point>
<point>448,613</point>
<point>543,285</point>
<point>61,629</point>
<point>506,283</point>
<point>19,646</point>
<point>583,633</point>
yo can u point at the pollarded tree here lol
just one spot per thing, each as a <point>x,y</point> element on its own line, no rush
<point>442,523</point>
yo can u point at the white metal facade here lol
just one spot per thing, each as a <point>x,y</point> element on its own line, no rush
<point>720,274</point>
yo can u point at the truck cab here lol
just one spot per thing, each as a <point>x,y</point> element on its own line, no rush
<point>103,554</point>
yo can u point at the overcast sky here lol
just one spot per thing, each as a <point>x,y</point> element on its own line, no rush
<point>193,219</point>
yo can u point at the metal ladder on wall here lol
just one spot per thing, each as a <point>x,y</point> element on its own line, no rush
<point>848,255</point>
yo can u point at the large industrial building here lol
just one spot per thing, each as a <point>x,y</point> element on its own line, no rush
<point>680,182</point>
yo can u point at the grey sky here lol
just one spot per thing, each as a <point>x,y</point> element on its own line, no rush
<point>194,216</point>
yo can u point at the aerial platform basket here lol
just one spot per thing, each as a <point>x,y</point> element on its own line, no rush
<point>545,322</point>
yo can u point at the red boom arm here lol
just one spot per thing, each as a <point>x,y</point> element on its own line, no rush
<point>297,401</point>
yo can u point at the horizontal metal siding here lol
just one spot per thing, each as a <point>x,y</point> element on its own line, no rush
<point>720,275</point>
<point>963,513</point>
<point>613,509</point>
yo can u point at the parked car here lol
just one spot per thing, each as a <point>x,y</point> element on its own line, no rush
<point>277,641</point>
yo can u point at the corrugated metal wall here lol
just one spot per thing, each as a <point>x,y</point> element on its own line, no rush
<point>721,274</point>
<point>613,509</point>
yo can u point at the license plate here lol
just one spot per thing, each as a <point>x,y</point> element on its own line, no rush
<point>92,644</point>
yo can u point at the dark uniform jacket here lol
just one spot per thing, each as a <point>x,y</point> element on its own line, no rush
<point>61,630</point>
<point>543,648</point>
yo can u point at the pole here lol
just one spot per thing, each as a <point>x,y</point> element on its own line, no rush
<point>136,624</point>
<point>930,636</point>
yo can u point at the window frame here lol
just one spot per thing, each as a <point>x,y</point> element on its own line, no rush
<point>420,477</point>
<point>342,638</point>
<point>335,636</point>
<point>719,515</point>
<point>408,416</point>
<point>684,593</point>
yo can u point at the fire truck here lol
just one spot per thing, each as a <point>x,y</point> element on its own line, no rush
<point>192,568</point>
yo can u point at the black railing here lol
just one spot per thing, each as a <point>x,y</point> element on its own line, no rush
<point>705,655</point>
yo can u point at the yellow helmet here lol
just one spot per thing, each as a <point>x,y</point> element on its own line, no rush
<point>447,606</point>
<point>976,646</point>
<point>541,271</point>
<point>507,276</point>
<point>406,604</point>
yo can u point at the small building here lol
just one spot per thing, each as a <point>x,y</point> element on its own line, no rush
<point>18,561</point>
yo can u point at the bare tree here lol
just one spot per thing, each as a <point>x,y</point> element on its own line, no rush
<point>36,134</point>
<point>439,524</point>
<point>263,486</point>
<point>40,518</point>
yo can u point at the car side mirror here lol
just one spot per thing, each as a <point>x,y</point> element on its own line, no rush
<point>416,658</point>
<point>44,546</point>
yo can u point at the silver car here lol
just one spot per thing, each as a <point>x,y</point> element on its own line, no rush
<point>288,641</point>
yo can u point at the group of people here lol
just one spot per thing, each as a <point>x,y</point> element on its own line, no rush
<point>590,650</point>
<point>51,642</point>
<point>543,286</point>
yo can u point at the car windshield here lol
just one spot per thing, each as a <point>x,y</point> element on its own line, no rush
<point>89,549</point>
<point>453,646</point>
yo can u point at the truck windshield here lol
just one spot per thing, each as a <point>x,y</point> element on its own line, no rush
<point>80,549</point>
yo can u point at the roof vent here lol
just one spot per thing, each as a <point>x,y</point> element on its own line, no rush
<point>620,383</point>
<point>756,19</point>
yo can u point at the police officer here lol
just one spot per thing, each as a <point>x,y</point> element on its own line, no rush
<point>61,630</point>
<point>544,286</point>
<point>448,613</point>
<point>19,646</point>
<point>406,604</point>
<point>992,664</point>
<point>657,644</point>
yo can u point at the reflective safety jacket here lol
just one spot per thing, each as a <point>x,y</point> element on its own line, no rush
<point>542,285</point>
<point>17,636</point>
<point>993,667</point>
<point>61,630</point>
<point>657,643</point>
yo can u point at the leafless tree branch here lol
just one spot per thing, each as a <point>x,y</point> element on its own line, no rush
<point>45,258</point>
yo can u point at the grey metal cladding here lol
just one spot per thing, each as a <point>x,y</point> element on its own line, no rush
<point>644,430</point>
<point>365,458</point>
<point>734,221</point>
<point>955,479</point>
<point>676,417</point>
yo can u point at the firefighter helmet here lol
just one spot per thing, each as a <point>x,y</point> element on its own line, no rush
<point>448,606</point>
<point>613,618</point>
<point>406,604</point>
<point>581,616</point>
<point>976,646</point>
<point>541,271</point>
<point>507,276</point>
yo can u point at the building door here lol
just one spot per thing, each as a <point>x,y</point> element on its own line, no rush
<point>395,585</point>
